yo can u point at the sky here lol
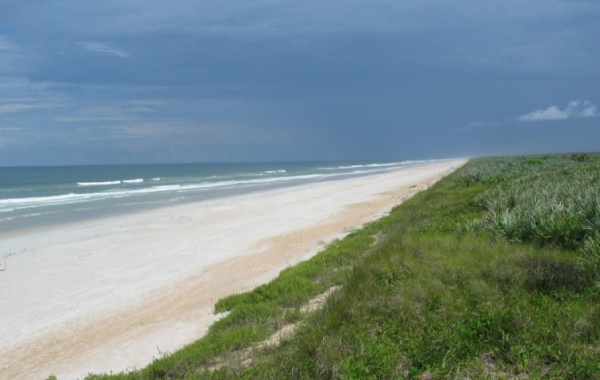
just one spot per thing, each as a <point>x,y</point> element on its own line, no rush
<point>150,81</point>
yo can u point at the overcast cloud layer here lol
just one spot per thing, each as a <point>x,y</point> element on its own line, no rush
<point>261,80</point>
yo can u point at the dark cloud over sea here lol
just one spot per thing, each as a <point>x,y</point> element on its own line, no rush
<point>153,81</point>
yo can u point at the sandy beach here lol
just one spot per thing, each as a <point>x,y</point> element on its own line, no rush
<point>113,294</point>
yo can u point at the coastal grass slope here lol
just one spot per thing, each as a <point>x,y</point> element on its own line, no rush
<point>492,273</point>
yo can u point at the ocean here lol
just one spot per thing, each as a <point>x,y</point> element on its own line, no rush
<point>32,197</point>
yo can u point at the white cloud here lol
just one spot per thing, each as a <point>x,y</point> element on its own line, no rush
<point>102,48</point>
<point>574,108</point>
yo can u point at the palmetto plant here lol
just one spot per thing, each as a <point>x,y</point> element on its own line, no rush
<point>557,202</point>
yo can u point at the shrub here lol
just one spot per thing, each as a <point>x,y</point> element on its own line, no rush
<point>558,203</point>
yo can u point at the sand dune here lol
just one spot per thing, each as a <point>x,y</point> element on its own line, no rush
<point>114,293</point>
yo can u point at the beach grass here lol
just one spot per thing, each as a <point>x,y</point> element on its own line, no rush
<point>492,273</point>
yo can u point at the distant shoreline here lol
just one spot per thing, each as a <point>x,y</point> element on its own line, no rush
<point>34,198</point>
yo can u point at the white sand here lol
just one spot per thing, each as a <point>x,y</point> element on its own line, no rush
<point>112,294</point>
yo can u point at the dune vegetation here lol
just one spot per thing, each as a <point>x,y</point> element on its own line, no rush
<point>492,273</point>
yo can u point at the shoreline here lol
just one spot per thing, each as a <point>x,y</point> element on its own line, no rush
<point>151,312</point>
<point>99,201</point>
<point>86,216</point>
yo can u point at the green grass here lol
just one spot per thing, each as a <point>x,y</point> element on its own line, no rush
<point>467,280</point>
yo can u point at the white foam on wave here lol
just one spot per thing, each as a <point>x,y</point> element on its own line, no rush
<point>374,166</point>
<point>278,171</point>
<point>19,203</point>
<point>12,204</point>
<point>137,180</point>
<point>249,182</point>
<point>111,183</point>
<point>106,183</point>
<point>365,168</point>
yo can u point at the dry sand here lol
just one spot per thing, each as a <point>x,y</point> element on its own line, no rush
<point>115,293</point>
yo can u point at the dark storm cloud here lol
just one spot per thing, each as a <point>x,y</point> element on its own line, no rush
<point>276,80</point>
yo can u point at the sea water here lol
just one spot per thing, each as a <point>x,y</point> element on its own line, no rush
<point>32,197</point>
